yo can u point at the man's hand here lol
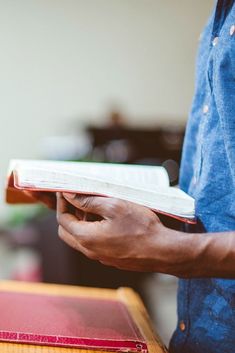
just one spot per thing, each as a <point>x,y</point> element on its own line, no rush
<point>46,198</point>
<point>128,236</point>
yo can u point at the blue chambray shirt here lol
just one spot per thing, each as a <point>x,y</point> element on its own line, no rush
<point>206,307</point>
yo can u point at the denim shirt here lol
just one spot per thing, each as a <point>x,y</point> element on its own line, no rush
<point>206,306</point>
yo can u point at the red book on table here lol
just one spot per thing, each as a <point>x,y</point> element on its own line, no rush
<point>66,321</point>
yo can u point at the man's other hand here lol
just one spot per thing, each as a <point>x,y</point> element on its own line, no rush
<point>46,198</point>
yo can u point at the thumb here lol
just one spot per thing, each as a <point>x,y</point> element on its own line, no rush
<point>93,204</point>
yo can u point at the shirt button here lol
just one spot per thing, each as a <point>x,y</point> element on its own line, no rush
<point>215,41</point>
<point>232,30</point>
<point>205,109</point>
<point>182,326</point>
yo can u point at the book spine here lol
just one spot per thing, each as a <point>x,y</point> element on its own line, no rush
<point>88,343</point>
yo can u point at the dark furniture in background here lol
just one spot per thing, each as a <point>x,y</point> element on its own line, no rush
<point>157,146</point>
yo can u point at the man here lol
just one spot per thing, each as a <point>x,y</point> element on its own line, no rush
<point>131,237</point>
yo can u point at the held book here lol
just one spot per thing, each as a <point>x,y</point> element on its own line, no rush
<point>145,185</point>
<point>69,321</point>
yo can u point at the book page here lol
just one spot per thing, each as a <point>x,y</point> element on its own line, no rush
<point>166,199</point>
<point>121,174</point>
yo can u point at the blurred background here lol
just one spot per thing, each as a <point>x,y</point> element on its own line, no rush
<point>93,80</point>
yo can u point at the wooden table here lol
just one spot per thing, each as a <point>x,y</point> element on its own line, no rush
<point>125,295</point>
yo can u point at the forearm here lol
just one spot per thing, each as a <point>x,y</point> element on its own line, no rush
<point>202,255</point>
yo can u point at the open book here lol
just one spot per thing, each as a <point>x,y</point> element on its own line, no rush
<point>144,185</point>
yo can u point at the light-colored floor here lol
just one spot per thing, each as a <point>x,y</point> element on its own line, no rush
<point>161,291</point>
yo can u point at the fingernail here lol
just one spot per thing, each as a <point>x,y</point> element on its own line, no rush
<point>69,195</point>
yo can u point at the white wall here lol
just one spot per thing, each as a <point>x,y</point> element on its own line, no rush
<point>63,60</point>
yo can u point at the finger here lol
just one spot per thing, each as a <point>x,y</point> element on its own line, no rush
<point>73,243</point>
<point>129,264</point>
<point>64,207</point>
<point>120,264</point>
<point>103,206</point>
<point>61,206</point>
<point>81,215</point>
<point>80,229</point>
<point>70,222</point>
<point>111,262</point>
<point>47,198</point>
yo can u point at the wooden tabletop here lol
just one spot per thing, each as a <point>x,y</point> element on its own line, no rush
<point>125,295</point>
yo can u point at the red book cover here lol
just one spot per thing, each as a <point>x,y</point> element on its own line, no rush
<point>65,321</point>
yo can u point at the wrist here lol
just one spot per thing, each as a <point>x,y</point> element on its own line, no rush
<point>179,253</point>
